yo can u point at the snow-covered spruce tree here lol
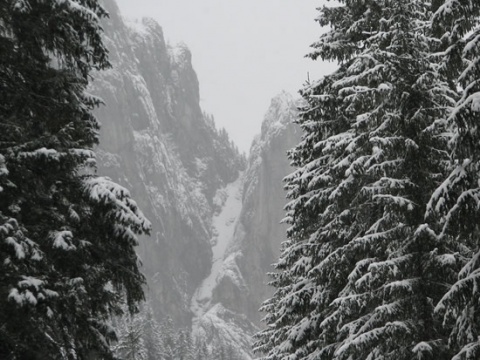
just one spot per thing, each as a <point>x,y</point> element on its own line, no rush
<point>201,350</point>
<point>131,338</point>
<point>456,202</point>
<point>169,339</point>
<point>184,346</point>
<point>152,334</point>
<point>361,272</point>
<point>67,237</point>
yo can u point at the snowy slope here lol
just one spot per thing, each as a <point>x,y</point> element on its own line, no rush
<point>223,229</point>
<point>212,320</point>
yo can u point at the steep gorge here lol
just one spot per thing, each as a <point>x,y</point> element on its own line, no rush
<point>214,215</point>
<point>241,284</point>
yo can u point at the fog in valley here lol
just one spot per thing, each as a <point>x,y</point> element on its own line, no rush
<point>239,180</point>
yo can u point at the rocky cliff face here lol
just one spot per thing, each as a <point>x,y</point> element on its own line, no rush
<point>240,284</point>
<point>215,223</point>
<point>258,234</point>
<point>157,142</point>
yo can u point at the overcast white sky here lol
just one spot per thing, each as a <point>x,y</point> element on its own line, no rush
<point>244,52</point>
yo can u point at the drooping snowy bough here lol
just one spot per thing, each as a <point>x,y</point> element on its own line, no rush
<point>456,203</point>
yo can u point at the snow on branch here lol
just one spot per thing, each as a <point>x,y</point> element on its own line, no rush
<point>19,249</point>
<point>441,194</point>
<point>62,240</point>
<point>104,191</point>
<point>3,167</point>
<point>29,291</point>
<point>470,284</point>
<point>391,329</point>
<point>422,348</point>
<point>74,7</point>
<point>469,351</point>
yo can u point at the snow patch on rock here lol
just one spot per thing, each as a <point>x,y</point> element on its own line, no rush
<point>223,229</point>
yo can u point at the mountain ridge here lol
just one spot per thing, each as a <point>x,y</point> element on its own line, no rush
<point>158,142</point>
